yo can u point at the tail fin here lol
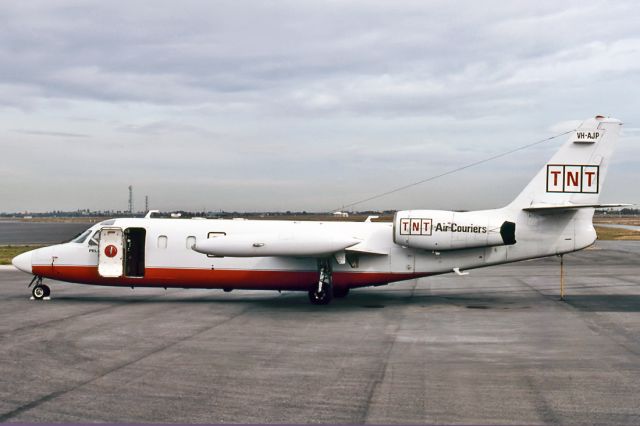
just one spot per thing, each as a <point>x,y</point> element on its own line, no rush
<point>574,175</point>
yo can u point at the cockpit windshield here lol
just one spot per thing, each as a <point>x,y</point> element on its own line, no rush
<point>95,239</point>
<point>82,237</point>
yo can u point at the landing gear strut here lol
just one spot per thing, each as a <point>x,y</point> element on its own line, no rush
<point>323,292</point>
<point>39,291</point>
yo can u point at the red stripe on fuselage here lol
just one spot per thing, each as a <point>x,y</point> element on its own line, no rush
<point>219,278</point>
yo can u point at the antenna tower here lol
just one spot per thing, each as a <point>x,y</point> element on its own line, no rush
<point>130,199</point>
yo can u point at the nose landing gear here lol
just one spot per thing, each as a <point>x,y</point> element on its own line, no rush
<point>40,291</point>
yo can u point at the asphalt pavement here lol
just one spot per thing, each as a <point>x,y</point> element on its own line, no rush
<point>494,347</point>
<point>33,232</point>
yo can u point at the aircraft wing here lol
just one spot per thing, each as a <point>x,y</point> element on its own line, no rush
<point>568,206</point>
<point>375,243</point>
<point>300,244</point>
<point>368,249</point>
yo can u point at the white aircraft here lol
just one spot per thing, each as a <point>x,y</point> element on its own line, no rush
<point>552,215</point>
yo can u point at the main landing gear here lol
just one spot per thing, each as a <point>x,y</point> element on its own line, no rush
<point>39,291</point>
<point>323,293</point>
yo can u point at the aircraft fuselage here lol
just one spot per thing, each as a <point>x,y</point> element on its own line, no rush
<point>167,258</point>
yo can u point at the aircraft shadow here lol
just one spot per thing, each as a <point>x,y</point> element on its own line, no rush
<point>295,301</point>
<point>605,303</point>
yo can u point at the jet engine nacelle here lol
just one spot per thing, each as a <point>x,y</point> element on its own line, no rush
<point>446,230</point>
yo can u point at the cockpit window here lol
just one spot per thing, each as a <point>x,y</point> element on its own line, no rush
<point>82,237</point>
<point>95,239</point>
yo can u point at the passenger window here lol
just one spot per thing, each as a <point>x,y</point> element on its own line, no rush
<point>191,241</point>
<point>162,242</point>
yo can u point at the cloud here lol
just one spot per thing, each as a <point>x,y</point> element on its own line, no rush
<point>565,126</point>
<point>49,133</point>
<point>156,128</point>
<point>340,97</point>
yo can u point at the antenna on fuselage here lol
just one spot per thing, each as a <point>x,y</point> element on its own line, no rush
<point>455,170</point>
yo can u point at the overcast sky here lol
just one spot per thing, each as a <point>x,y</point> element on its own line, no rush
<point>304,105</point>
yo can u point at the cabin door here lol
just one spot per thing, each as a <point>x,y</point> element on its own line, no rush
<point>110,253</point>
<point>134,247</point>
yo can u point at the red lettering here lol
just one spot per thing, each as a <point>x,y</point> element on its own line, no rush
<point>405,225</point>
<point>572,178</point>
<point>415,226</point>
<point>555,177</point>
<point>589,177</point>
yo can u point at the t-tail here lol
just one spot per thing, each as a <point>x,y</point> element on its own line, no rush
<point>574,176</point>
<point>552,215</point>
<point>555,210</point>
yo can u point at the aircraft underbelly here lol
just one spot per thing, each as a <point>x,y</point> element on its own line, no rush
<point>219,278</point>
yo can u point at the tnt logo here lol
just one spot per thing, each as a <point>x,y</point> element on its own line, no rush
<point>415,226</point>
<point>572,178</point>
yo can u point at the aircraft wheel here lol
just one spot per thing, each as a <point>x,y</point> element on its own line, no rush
<point>320,298</point>
<point>340,292</point>
<point>47,290</point>
<point>38,292</point>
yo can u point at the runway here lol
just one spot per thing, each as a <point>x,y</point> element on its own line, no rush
<point>493,347</point>
<point>33,232</point>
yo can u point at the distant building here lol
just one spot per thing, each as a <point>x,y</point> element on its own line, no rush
<point>341,214</point>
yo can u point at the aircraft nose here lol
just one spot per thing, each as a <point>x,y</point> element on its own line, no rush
<point>23,262</point>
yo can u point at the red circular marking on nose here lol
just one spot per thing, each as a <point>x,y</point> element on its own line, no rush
<point>110,250</point>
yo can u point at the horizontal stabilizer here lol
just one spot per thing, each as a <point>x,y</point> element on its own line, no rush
<point>569,206</point>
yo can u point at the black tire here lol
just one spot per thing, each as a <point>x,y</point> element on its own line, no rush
<point>320,298</point>
<point>340,292</point>
<point>47,290</point>
<point>38,292</point>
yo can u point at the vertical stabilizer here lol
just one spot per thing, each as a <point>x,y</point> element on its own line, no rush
<point>575,174</point>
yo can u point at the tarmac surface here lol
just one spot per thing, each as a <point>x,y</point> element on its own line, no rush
<point>493,347</point>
